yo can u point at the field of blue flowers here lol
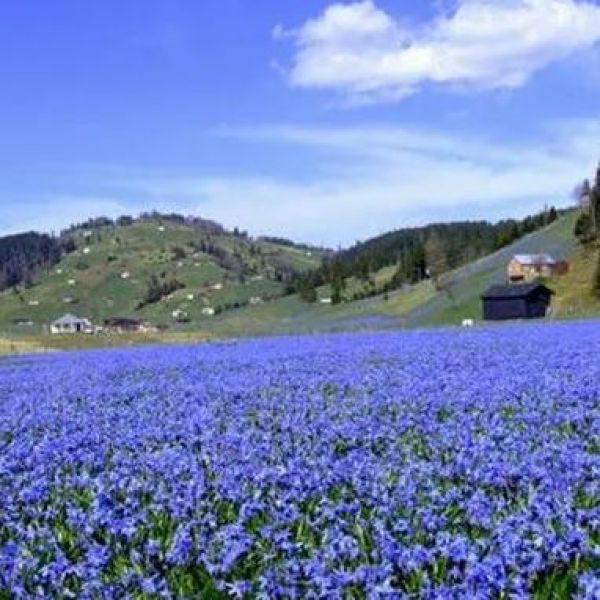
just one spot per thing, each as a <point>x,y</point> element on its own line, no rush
<point>438,464</point>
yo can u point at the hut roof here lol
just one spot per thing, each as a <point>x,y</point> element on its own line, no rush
<point>68,319</point>
<point>535,259</point>
<point>522,290</point>
<point>116,321</point>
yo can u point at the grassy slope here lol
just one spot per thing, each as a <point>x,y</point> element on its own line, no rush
<point>143,250</point>
<point>469,282</point>
<point>414,306</point>
<point>420,305</point>
<point>574,297</point>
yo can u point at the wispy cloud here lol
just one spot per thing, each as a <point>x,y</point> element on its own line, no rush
<point>369,55</point>
<point>377,178</point>
<point>371,179</point>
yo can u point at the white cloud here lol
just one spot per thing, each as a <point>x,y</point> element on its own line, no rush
<point>369,55</point>
<point>371,179</point>
<point>380,178</point>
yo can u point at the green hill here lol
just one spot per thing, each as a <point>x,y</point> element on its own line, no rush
<point>108,274</point>
<point>233,271</point>
<point>422,304</point>
<point>466,284</point>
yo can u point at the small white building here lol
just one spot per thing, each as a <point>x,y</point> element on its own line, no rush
<point>217,286</point>
<point>125,275</point>
<point>256,300</point>
<point>71,282</point>
<point>71,324</point>
<point>208,311</point>
<point>325,301</point>
<point>179,315</point>
<point>33,303</point>
<point>86,250</point>
<point>190,296</point>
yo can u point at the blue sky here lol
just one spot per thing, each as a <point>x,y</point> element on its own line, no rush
<point>322,121</point>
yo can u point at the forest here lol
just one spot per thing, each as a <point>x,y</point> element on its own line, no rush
<point>24,255</point>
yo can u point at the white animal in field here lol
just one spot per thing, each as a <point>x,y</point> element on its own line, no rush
<point>468,322</point>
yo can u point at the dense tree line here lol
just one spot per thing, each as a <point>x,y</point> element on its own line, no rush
<point>24,256</point>
<point>419,252</point>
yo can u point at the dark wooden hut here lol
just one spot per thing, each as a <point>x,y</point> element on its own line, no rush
<point>122,324</point>
<point>516,301</point>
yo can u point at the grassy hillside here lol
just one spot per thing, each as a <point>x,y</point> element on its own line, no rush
<point>421,304</point>
<point>144,249</point>
<point>467,283</point>
<point>574,297</point>
<point>108,274</point>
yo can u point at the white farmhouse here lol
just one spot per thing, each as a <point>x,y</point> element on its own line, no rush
<point>179,315</point>
<point>71,324</point>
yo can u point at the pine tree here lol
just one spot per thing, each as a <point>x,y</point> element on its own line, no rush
<point>337,286</point>
<point>435,256</point>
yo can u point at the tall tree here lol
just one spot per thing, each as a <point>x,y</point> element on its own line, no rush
<point>435,256</point>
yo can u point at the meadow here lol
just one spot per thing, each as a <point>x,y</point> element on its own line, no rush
<point>421,464</point>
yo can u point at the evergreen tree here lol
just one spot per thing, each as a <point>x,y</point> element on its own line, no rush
<point>435,256</point>
<point>583,227</point>
<point>307,290</point>
<point>336,291</point>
